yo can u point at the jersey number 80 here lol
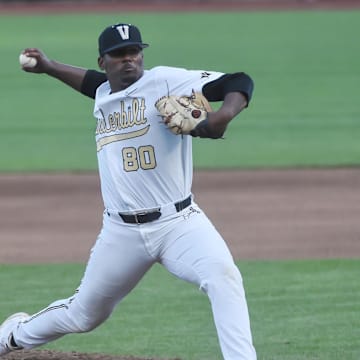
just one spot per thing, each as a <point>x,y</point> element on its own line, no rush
<point>143,157</point>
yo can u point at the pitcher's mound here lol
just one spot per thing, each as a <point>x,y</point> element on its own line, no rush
<point>55,355</point>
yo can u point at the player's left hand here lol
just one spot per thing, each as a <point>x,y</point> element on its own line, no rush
<point>182,114</point>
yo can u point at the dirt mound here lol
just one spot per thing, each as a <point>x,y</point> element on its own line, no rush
<point>55,355</point>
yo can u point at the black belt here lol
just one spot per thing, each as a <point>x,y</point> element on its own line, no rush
<point>144,217</point>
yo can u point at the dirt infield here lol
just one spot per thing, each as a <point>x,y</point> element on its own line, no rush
<point>262,214</point>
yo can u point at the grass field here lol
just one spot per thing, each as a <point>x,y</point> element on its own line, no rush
<point>304,111</point>
<point>300,310</point>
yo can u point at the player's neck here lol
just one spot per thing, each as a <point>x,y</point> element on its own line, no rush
<point>118,84</point>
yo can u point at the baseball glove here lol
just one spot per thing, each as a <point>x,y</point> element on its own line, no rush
<point>182,114</point>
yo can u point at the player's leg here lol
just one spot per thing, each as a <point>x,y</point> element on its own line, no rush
<point>117,262</point>
<point>196,252</point>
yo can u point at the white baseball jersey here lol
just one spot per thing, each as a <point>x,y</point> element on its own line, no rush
<point>142,165</point>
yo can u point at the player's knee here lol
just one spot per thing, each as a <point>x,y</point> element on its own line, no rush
<point>223,278</point>
<point>227,272</point>
<point>88,321</point>
<point>86,324</point>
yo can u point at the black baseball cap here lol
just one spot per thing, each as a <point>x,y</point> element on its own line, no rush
<point>118,36</point>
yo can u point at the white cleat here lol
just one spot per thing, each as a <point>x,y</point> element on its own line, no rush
<point>6,330</point>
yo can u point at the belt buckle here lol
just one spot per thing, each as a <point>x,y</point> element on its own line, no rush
<point>136,217</point>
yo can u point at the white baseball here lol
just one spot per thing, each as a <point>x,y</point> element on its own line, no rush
<point>27,61</point>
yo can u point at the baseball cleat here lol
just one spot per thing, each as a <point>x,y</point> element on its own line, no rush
<point>6,330</point>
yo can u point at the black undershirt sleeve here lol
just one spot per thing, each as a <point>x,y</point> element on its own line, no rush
<point>92,80</point>
<point>236,82</point>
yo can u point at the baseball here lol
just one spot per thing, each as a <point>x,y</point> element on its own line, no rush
<point>27,61</point>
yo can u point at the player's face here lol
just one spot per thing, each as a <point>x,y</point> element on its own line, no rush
<point>123,66</point>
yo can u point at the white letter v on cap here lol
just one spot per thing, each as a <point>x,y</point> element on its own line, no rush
<point>123,31</point>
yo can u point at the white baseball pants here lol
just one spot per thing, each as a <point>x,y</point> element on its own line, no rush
<point>186,244</point>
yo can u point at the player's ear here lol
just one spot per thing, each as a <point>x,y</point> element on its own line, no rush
<point>101,62</point>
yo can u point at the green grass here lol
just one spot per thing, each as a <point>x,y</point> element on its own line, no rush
<point>300,310</point>
<point>304,112</point>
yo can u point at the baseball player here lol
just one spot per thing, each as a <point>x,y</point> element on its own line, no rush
<point>146,170</point>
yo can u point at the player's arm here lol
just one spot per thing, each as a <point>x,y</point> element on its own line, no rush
<point>81,79</point>
<point>235,90</point>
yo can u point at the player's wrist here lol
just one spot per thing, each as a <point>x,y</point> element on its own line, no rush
<point>206,130</point>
